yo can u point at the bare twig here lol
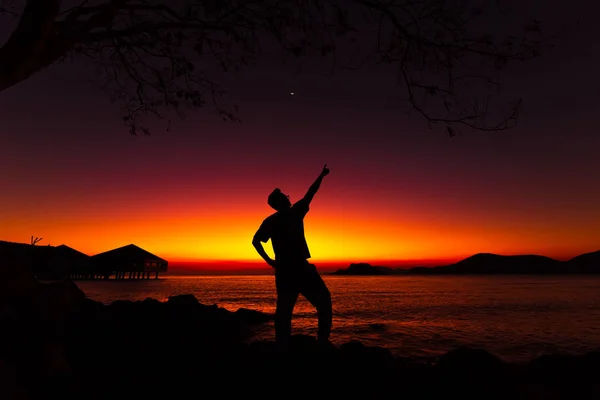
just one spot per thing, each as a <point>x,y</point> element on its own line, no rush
<point>154,56</point>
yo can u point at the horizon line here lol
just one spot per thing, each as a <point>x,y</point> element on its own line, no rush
<point>255,265</point>
<point>387,262</point>
<point>372,261</point>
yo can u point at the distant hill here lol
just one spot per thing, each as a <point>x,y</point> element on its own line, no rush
<point>487,264</point>
<point>586,263</point>
<point>367,269</point>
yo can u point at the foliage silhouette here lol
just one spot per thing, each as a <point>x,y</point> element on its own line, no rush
<point>155,56</point>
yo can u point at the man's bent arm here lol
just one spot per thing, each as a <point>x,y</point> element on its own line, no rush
<point>261,250</point>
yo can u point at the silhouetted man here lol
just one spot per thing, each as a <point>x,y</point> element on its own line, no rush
<point>294,275</point>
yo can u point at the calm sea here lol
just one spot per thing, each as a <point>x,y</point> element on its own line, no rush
<point>515,317</point>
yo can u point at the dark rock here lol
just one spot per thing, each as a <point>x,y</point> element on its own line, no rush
<point>560,366</point>
<point>375,357</point>
<point>148,348</point>
<point>183,299</point>
<point>253,317</point>
<point>468,360</point>
<point>377,327</point>
<point>151,302</point>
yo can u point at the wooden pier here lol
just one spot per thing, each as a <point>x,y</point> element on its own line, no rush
<point>124,263</point>
<point>59,262</point>
<point>120,275</point>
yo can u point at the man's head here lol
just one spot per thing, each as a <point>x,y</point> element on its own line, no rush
<point>278,200</point>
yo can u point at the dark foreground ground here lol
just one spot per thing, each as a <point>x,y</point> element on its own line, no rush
<point>59,344</point>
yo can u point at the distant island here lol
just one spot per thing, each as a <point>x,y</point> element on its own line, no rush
<point>368,269</point>
<point>487,263</point>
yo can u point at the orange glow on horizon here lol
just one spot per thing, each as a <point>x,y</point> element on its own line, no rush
<point>335,233</point>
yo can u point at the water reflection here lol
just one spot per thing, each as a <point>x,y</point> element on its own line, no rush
<point>515,317</point>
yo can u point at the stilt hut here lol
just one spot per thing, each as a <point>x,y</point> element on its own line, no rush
<point>74,262</point>
<point>128,262</point>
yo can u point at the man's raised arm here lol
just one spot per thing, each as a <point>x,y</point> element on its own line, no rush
<point>312,190</point>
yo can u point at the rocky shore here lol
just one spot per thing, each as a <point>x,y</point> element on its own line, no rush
<point>60,344</point>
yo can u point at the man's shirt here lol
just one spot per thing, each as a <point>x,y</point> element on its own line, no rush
<point>286,231</point>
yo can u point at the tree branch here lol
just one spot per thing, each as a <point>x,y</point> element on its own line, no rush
<point>20,54</point>
<point>153,54</point>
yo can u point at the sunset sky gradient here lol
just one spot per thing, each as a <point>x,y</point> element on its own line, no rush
<point>398,193</point>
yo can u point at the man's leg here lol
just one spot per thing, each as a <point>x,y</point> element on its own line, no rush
<point>314,289</point>
<point>287,295</point>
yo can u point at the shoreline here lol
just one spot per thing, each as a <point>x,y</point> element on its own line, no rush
<point>408,328</point>
<point>64,344</point>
